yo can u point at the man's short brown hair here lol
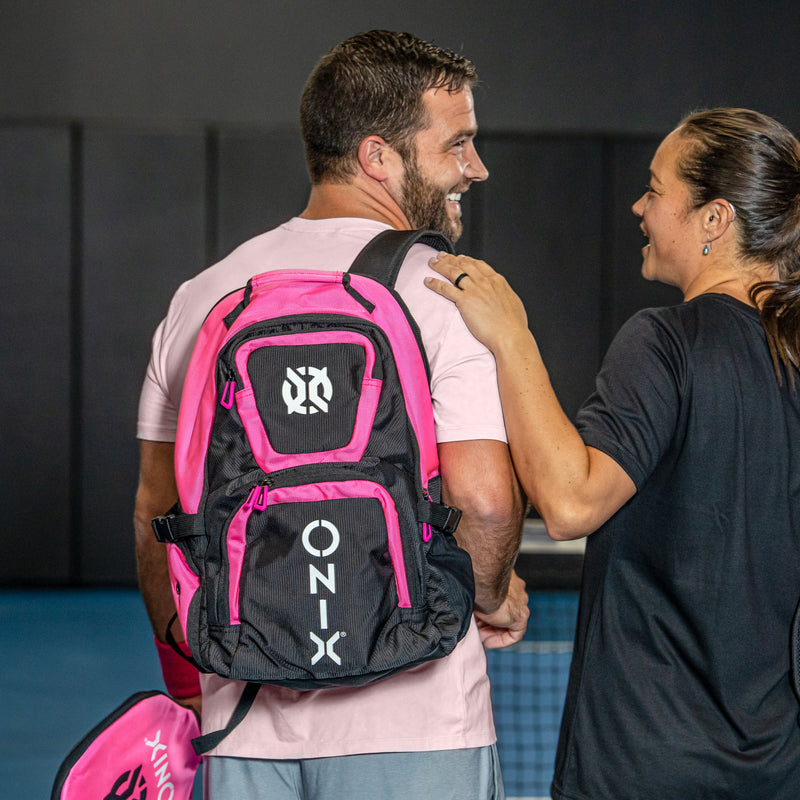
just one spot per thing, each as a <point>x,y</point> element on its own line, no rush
<point>372,84</point>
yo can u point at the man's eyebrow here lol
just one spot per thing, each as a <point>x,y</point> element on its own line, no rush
<point>466,133</point>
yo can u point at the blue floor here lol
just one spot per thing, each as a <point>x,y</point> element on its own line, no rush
<point>529,682</point>
<point>71,657</point>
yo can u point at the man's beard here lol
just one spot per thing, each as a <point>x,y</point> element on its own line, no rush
<point>424,205</point>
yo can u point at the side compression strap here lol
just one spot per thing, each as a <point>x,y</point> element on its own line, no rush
<point>381,259</point>
<point>174,525</point>
<point>444,518</point>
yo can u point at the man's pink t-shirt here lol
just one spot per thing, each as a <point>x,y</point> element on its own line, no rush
<point>441,705</point>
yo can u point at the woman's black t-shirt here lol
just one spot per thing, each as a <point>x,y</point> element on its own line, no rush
<point>680,683</point>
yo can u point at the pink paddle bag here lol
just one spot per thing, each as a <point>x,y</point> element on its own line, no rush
<point>141,751</point>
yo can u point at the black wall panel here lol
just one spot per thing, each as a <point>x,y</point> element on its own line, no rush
<point>546,66</point>
<point>542,222</point>
<point>144,232</point>
<point>35,281</point>
<point>627,291</point>
<point>262,182</point>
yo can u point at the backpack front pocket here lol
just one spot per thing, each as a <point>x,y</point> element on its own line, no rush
<point>306,393</point>
<point>316,576</point>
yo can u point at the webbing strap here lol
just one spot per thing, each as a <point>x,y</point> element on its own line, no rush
<point>169,638</point>
<point>383,256</point>
<point>202,744</point>
<point>174,525</point>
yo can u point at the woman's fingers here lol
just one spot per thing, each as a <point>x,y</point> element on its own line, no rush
<point>486,302</point>
<point>444,289</point>
<point>452,267</point>
<point>446,264</point>
<point>459,270</point>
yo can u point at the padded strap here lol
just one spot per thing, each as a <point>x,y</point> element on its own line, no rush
<point>383,256</point>
<point>202,744</point>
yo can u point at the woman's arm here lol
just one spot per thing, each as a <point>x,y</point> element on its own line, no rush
<point>574,488</point>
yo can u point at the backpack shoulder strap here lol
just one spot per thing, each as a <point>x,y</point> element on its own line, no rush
<point>382,257</point>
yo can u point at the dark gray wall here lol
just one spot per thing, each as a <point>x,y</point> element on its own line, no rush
<point>139,142</point>
<point>576,65</point>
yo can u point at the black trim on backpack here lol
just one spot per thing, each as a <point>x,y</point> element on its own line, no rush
<point>359,298</point>
<point>231,317</point>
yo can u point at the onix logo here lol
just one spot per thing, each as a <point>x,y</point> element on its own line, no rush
<point>307,390</point>
<point>327,579</point>
<point>128,783</point>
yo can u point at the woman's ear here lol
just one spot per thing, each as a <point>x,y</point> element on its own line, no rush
<point>719,215</point>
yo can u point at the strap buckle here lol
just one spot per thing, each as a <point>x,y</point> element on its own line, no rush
<point>451,520</point>
<point>440,516</point>
<point>163,529</point>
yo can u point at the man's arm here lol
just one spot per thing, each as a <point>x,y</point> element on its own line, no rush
<point>478,478</point>
<point>156,494</point>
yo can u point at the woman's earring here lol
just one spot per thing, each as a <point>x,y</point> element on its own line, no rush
<point>707,246</point>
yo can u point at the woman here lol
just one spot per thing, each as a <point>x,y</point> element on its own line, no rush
<point>684,465</point>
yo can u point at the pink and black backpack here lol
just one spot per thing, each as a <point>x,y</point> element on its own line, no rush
<point>310,547</point>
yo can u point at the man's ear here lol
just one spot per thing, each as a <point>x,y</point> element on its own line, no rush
<point>376,158</point>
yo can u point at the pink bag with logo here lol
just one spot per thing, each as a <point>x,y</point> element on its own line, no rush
<point>141,751</point>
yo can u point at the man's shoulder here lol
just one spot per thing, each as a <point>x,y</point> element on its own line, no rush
<point>330,244</point>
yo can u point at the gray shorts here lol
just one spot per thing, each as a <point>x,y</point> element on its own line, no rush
<point>472,774</point>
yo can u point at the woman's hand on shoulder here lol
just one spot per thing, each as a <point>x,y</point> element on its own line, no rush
<point>489,306</point>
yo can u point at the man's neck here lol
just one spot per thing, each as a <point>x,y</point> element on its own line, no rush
<point>331,200</point>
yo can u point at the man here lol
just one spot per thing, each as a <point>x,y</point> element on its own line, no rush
<point>389,128</point>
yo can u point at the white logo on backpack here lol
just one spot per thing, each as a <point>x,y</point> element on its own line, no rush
<point>328,580</point>
<point>307,390</point>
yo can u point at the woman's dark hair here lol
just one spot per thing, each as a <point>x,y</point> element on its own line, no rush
<point>372,84</point>
<point>753,162</point>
